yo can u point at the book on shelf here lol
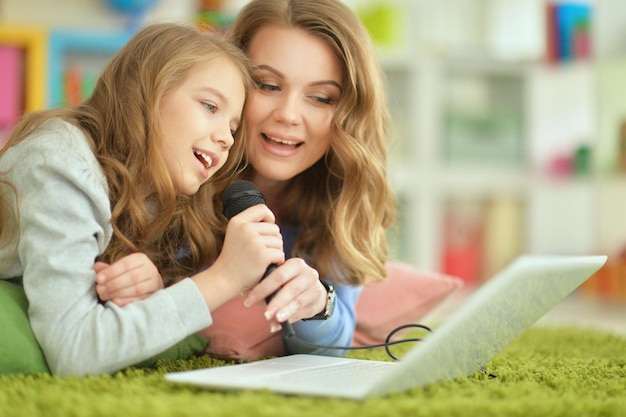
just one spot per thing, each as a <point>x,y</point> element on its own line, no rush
<point>568,31</point>
<point>11,85</point>
<point>78,85</point>
<point>462,250</point>
<point>609,283</point>
<point>481,236</point>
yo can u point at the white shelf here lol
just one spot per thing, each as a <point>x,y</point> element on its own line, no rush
<point>559,108</point>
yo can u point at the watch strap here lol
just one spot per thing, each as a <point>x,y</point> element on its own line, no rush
<point>330,303</point>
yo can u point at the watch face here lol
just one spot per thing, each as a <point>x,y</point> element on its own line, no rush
<point>330,301</point>
<point>330,304</point>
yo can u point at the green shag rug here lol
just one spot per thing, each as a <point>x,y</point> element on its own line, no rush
<point>546,372</point>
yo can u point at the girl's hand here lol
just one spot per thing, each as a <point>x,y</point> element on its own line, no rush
<point>301,296</point>
<point>132,278</point>
<point>251,244</point>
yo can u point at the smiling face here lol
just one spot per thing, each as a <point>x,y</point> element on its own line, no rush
<point>198,120</point>
<point>290,112</point>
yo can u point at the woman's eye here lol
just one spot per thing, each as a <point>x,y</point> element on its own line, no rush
<point>267,87</point>
<point>210,107</point>
<point>323,100</point>
<point>233,132</point>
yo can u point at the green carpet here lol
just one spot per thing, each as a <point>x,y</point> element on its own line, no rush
<point>546,372</point>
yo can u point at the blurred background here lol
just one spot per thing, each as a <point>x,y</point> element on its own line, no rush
<point>509,115</point>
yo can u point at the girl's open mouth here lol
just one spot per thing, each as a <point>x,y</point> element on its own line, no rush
<point>205,159</point>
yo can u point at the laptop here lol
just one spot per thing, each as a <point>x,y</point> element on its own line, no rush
<point>491,318</point>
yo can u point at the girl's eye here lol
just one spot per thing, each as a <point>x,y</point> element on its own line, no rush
<point>210,107</point>
<point>233,132</point>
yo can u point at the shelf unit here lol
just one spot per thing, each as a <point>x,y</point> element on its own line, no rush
<point>49,53</point>
<point>88,50</point>
<point>547,185</point>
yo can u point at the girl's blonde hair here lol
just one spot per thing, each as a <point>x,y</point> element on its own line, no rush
<point>121,120</point>
<point>344,202</point>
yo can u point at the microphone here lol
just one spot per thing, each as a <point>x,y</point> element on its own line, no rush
<point>237,197</point>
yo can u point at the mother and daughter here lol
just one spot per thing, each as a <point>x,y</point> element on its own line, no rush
<point>110,212</point>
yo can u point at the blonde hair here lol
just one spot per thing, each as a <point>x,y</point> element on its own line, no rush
<point>121,120</point>
<point>345,203</point>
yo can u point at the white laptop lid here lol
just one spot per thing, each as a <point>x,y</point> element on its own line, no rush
<point>496,314</point>
<point>501,310</point>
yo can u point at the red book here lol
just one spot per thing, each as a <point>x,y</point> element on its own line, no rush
<point>552,33</point>
<point>11,85</point>
<point>73,96</point>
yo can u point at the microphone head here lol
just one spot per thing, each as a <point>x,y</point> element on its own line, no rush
<point>239,196</point>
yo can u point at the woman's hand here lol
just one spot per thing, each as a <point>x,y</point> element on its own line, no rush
<point>301,296</point>
<point>132,278</point>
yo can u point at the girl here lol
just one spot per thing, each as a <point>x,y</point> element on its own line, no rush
<point>123,179</point>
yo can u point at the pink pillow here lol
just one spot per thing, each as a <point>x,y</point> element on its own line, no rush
<point>240,332</point>
<point>406,296</point>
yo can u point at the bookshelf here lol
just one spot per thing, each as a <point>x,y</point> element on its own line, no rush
<point>76,57</point>
<point>500,143</point>
<point>41,66</point>
<point>49,54</point>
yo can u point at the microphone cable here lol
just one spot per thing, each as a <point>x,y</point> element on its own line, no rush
<point>388,342</point>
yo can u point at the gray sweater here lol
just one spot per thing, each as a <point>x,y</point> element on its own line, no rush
<point>64,224</point>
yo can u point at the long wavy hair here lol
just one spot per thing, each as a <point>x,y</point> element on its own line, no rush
<point>121,121</point>
<point>344,202</point>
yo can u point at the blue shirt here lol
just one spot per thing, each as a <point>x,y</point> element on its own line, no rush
<point>337,330</point>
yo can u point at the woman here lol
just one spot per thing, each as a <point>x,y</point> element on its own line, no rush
<point>316,136</point>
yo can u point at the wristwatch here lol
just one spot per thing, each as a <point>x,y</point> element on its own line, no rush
<point>330,303</point>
